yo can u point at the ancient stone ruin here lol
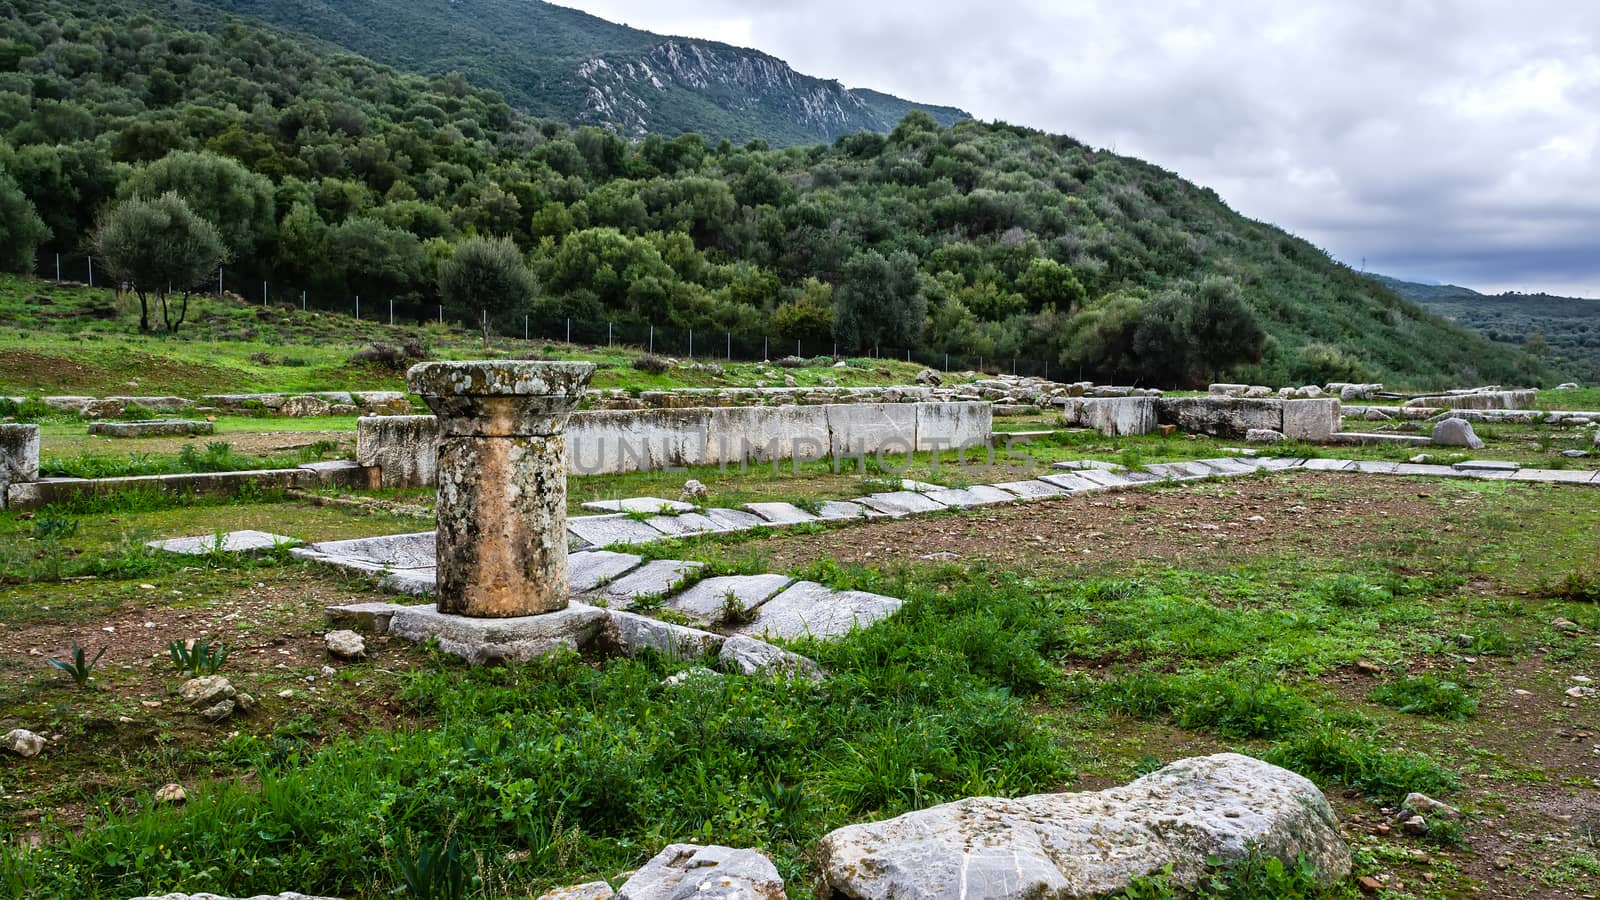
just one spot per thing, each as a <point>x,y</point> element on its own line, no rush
<point>502,482</point>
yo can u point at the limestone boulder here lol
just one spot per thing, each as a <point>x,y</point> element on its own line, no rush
<point>23,743</point>
<point>1455,432</point>
<point>1090,845</point>
<point>345,644</point>
<point>694,872</point>
<point>305,406</point>
<point>1263,436</point>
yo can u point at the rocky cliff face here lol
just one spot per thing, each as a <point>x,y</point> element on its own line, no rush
<point>641,93</point>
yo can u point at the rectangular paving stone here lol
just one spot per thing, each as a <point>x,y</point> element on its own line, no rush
<point>1375,467</point>
<point>1107,479</point>
<point>734,519</point>
<point>586,570</point>
<point>845,510</point>
<point>1034,489</point>
<point>901,503</point>
<point>1425,469</point>
<point>780,513</point>
<point>639,505</point>
<point>706,601</point>
<point>656,578</point>
<point>1485,465</point>
<point>966,498</point>
<point>603,531</point>
<point>1558,476</point>
<point>1280,463</point>
<point>1327,465</point>
<point>683,525</point>
<point>246,541</point>
<point>375,554</point>
<point>1229,465</point>
<point>1071,481</point>
<point>808,609</point>
<point>1074,465</point>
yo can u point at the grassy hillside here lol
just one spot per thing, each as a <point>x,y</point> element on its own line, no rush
<point>77,340</point>
<point>563,64</point>
<point>982,241</point>
<point>1563,330</point>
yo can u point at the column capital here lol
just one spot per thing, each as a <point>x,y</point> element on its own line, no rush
<point>500,398</point>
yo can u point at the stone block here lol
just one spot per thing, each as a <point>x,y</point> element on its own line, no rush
<point>404,450</point>
<point>616,441</point>
<point>652,581</point>
<point>780,513</point>
<point>951,426</point>
<point>808,609</point>
<point>19,457</point>
<point>752,435</point>
<point>151,428</point>
<point>603,531</point>
<point>900,503</point>
<point>588,569</point>
<point>708,600</point>
<point>1310,420</point>
<point>1221,416</point>
<point>868,429</point>
<point>246,541</point>
<point>1113,416</point>
<point>489,641</point>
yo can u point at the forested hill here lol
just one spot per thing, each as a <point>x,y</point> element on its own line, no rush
<point>1564,331</point>
<point>563,64</point>
<point>330,172</point>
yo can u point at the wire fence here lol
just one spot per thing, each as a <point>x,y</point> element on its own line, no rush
<point>660,339</point>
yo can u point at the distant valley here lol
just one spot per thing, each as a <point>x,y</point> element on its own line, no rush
<point>1568,326</point>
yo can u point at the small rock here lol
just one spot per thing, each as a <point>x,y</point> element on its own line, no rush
<point>1421,459</point>
<point>1263,436</point>
<point>207,690</point>
<point>1369,884</point>
<point>171,793</point>
<point>1456,433</point>
<point>286,694</point>
<point>593,890</point>
<point>1369,667</point>
<point>219,711</point>
<point>345,644</point>
<point>244,701</point>
<point>693,872</point>
<point>1167,430</point>
<point>23,743</point>
<point>694,492</point>
<point>1575,454</point>
<point>1582,692</point>
<point>1502,862</point>
<point>1566,625</point>
<point>328,672</point>
<point>1416,825</point>
<point>929,376</point>
<point>1422,803</point>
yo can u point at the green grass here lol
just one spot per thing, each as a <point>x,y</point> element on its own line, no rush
<point>1429,695</point>
<point>85,341</point>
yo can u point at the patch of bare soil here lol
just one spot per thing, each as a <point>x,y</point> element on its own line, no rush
<point>1189,526</point>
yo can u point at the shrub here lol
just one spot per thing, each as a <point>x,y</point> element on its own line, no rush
<point>791,362</point>
<point>390,357</point>
<point>1576,586</point>
<point>653,364</point>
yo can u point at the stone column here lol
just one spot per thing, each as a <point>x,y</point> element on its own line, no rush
<point>502,482</point>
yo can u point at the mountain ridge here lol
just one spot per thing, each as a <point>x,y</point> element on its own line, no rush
<point>561,63</point>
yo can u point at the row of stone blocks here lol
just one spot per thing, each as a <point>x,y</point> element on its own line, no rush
<point>401,450</point>
<point>1220,416</point>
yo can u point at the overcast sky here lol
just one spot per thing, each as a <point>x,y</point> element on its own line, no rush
<point>1436,140</point>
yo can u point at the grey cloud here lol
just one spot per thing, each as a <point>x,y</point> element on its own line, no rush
<point>1456,141</point>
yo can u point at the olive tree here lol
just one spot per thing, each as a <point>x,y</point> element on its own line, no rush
<point>159,247</point>
<point>485,275</point>
<point>21,229</point>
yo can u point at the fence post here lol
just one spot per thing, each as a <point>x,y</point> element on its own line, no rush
<point>358,307</point>
<point>441,314</point>
<point>524,326</point>
<point>263,293</point>
<point>1013,367</point>
<point>302,301</point>
<point>219,274</point>
<point>91,271</point>
<point>1047,368</point>
<point>391,310</point>
<point>730,346</point>
<point>58,268</point>
<point>569,329</point>
<point>908,354</point>
<point>835,349</point>
<point>764,354</point>
<point>947,362</point>
<point>691,343</point>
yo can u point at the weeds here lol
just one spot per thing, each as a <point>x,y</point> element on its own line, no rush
<point>1329,752</point>
<point>1577,586</point>
<point>80,667</point>
<point>1428,695</point>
